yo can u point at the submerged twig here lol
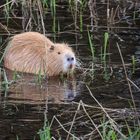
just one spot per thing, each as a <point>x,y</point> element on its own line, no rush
<point>55,118</point>
<point>133,84</point>
<point>111,120</point>
<point>78,108</point>
<point>128,82</point>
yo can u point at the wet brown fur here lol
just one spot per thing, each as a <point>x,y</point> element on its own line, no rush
<point>32,52</point>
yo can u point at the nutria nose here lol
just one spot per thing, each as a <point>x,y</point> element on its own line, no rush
<point>70,59</point>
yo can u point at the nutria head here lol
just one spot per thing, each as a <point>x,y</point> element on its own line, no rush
<point>61,58</point>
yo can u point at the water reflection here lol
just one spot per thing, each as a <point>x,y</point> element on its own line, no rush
<point>27,90</point>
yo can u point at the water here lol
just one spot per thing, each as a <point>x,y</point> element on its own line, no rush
<point>22,110</point>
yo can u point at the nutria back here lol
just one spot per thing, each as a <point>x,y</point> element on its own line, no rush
<point>32,52</point>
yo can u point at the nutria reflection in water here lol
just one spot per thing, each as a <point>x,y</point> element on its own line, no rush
<point>53,91</point>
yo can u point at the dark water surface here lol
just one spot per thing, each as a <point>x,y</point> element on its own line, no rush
<point>24,101</point>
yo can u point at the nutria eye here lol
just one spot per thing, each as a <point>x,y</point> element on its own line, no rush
<point>59,53</point>
<point>52,48</point>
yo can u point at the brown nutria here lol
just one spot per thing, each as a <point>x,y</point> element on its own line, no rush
<point>32,52</point>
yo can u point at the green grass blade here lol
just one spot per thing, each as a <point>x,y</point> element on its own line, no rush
<point>91,45</point>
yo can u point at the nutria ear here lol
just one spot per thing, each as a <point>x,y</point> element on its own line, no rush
<point>52,48</point>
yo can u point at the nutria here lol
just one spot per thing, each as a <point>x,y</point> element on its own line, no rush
<point>32,52</point>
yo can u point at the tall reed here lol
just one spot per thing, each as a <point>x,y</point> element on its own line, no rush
<point>104,55</point>
<point>45,132</point>
<point>91,45</point>
<point>83,4</point>
<point>7,10</point>
<point>5,84</point>
<point>77,8</point>
<point>53,14</point>
<point>92,48</point>
<point>133,64</point>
